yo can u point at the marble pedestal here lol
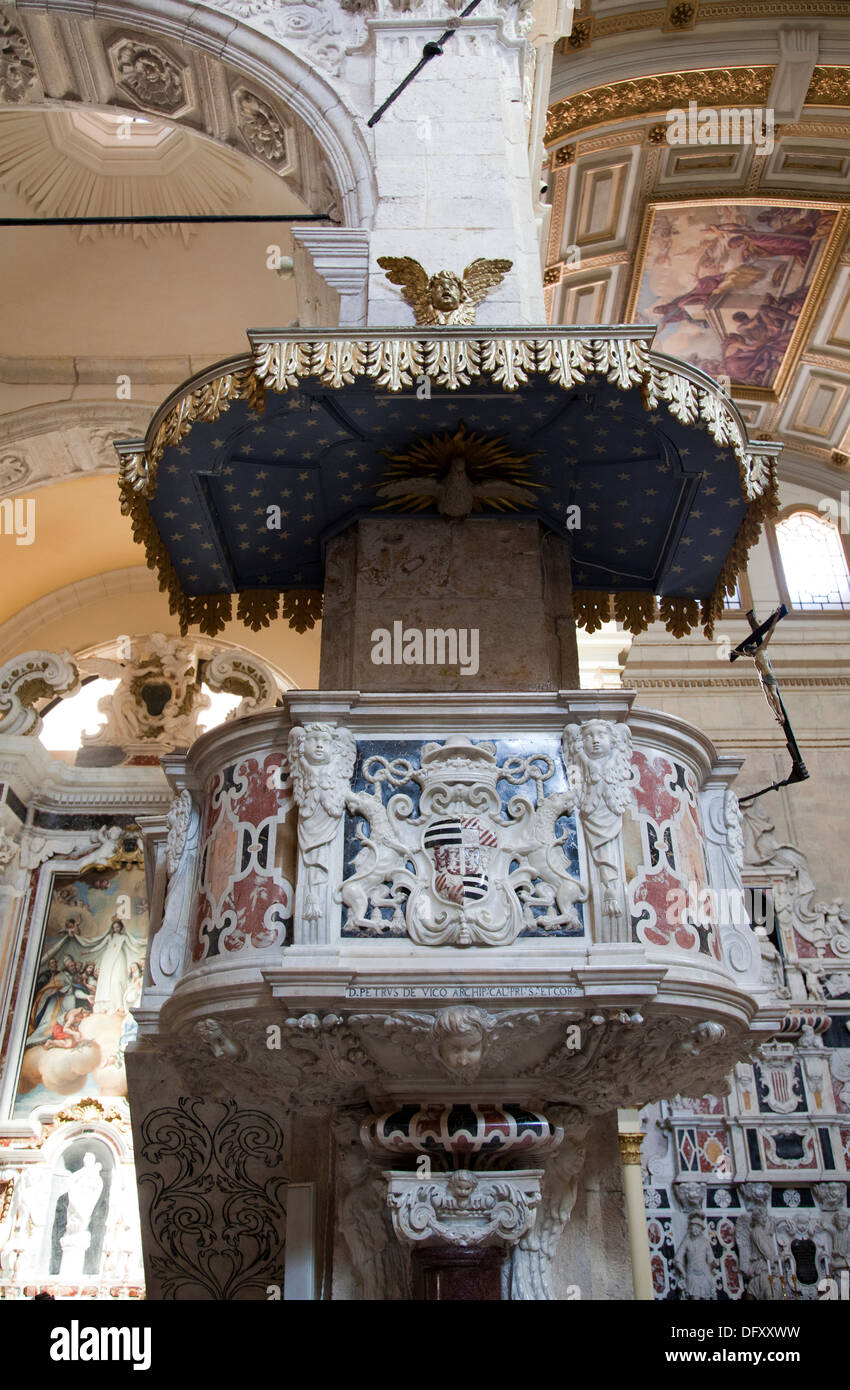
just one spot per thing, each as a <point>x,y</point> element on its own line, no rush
<point>499,589</point>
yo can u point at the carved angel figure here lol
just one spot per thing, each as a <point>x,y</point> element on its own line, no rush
<point>322,760</point>
<point>598,755</point>
<point>444,298</point>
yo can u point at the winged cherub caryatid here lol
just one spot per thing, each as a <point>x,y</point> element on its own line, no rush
<point>444,298</point>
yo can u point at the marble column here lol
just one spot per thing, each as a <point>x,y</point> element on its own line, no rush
<point>630,1139</point>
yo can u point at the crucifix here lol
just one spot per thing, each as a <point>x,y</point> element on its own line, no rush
<point>755,646</point>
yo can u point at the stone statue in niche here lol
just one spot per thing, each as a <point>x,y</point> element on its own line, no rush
<point>472,870</point>
<point>83,1187</point>
<point>322,759</point>
<point>695,1261</point>
<point>598,755</point>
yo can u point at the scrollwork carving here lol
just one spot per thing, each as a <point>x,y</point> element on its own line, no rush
<point>463,1209</point>
<point>216,1219</point>
<point>28,678</point>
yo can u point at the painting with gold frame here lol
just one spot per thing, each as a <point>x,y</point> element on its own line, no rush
<point>87,979</point>
<point>734,287</point>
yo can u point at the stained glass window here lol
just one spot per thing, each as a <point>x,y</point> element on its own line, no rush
<point>813,562</point>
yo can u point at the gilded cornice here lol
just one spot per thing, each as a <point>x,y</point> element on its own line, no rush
<point>451,358</point>
<point>589,27</point>
<point>644,96</point>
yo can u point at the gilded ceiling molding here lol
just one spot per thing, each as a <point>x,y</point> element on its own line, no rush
<point>280,363</point>
<point>674,19</point>
<point>646,96</point>
<point>830,86</point>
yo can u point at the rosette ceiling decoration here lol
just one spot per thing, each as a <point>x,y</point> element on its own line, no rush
<point>637,459</point>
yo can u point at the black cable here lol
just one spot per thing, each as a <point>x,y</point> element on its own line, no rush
<point>153,221</point>
<point>432,49</point>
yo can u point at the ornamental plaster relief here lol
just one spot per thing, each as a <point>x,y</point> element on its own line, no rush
<point>173,66</point>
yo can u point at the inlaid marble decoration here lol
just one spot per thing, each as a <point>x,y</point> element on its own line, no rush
<point>665,861</point>
<point>89,977</point>
<point>246,892</point>
<point>393,849</point>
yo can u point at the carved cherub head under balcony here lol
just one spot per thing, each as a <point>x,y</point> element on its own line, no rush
<point>459,1034</point>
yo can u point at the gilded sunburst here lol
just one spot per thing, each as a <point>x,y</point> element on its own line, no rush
<point>458,472</point>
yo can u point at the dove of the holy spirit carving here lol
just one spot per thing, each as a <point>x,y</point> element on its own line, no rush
<point>458,473</point>
<point>444,298</point>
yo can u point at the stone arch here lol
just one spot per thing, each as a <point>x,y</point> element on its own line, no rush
<point>194,66</point>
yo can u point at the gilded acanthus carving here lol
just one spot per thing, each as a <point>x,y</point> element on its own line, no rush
<point>395,362</point>
<point>18,74</point>
<point>149,75</point>
<point>463,1209</point>
<point>321,757</point>
<point>29,678</point>
<point>598,754</point>
<point>643,95</point>
<point>444,298</point>
<point>474,870</point>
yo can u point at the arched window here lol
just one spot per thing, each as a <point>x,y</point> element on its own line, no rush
<point>814,564</point>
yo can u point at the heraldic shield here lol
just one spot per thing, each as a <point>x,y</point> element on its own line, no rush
<point>458,849</point>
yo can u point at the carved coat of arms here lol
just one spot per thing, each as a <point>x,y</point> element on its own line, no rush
<point>465,871</point>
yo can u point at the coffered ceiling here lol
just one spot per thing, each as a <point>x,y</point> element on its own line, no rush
<point>689,235</point>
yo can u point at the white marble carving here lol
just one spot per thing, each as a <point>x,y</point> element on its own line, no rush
<point>533,1254</point>
<point>695,1261</point>
<point>28,678</point>
<point>149,75</point>
<point>473,870</point>
<point>168,947</point>
<point>598,754</point>
<point>18,79</point>
<point>463,1209</point>
<point>322,760</point>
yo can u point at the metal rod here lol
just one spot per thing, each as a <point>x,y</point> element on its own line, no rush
<point>153,221</point>
<point>433,49</point>
<point>754,647</point>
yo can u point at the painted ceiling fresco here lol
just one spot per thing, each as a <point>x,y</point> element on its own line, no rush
<point>727,283</point>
